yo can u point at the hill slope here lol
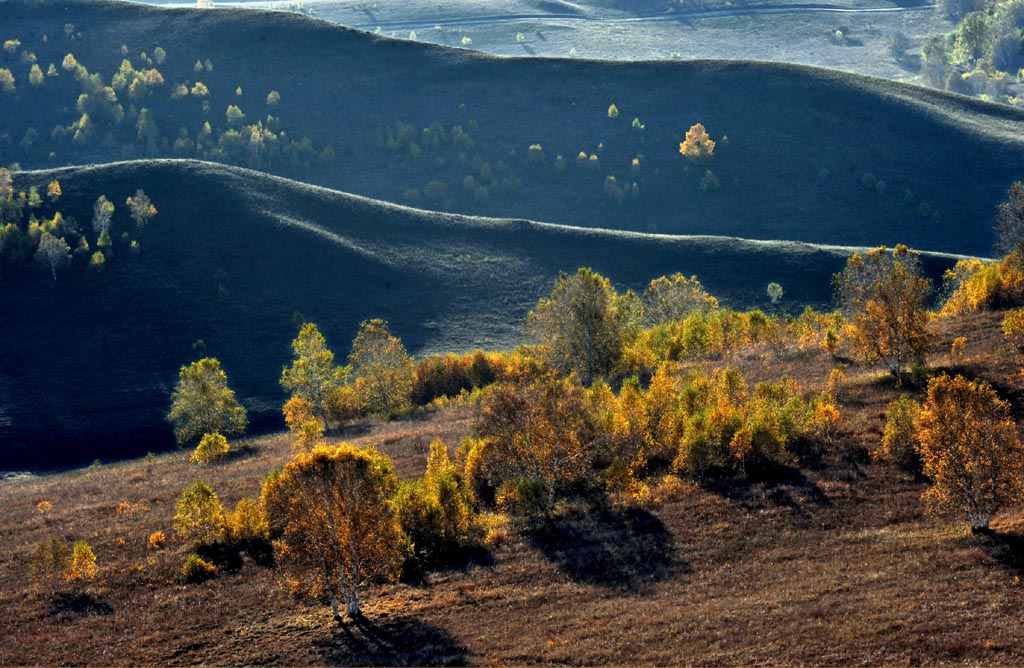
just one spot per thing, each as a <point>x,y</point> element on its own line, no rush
<point>235,258</point>
<point>810,154</point>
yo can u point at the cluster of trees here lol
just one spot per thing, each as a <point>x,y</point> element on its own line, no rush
<point>133,110</point>
<point>52,240</point>
<point>985,52</point>
<point>377,380</point>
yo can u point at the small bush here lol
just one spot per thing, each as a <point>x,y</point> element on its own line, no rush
<point>212,448</point>
<point>157,540</point>
<point>197,569</point>
<point>1013,327</point>
<point>899,441</point>
<point>246,523</point>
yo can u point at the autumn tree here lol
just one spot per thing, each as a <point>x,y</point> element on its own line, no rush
<point>698,145</point>
<point>331,510</point>
<point>672,298</point>
<point>536,439</point>
<point>436,512</point>
<point>53,253</point>
<point>199,515</point>
<point>382,369</point>
<point>884,297</point>
<point>202,403</point>
<point>969,449</point>
<point>1009,227</point>
<point>53,191</point>
<point>313,378</point>
<point>142,210</point>
<point>584,324</point>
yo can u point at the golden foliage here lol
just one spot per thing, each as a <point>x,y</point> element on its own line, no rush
<point>332,509</point>
<point>884,296</point>
<point>199,516</point>
<point>698,145</point>
<point>969,449</point>
<point>211,448</point>
<point>157,540</point>
<point>246,523</point>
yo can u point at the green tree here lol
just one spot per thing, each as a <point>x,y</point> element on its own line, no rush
<point>382,368</point>
<point>584,324</point>
<point>202,403</point>
<point>313,376</point>
<point>331,508</point>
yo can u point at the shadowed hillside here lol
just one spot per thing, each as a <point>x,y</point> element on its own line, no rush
<point>236,258</point>
<point>811,155</point>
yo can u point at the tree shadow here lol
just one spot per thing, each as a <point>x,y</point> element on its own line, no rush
<point>776,486</point>
<point>619,549</point>
<point>230,557</point>
<point>454,557</point>
<point>82,603</point>
<point>1007,548</point>
<point>390,642</point>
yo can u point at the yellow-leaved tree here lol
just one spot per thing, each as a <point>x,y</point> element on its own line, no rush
<point>382,369</point>
<point>313,379</point>
<point>884,297</point>
<point>969,449</point>
<point>698,145</point>
<point>331,510</point>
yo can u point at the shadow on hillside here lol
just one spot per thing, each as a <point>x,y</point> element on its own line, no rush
<point>82,603</point>
<point>1007,548</point>
<point>778,486</point>
<point>390,642</point>
<point>454,557</point>
<point>229,558</point>
<point>608,547</point>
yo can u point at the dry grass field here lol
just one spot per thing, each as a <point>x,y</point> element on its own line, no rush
<point>834,563</point>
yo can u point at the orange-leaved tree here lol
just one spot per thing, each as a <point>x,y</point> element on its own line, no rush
<point>331,510</point>
<point>698,145</point>
<point>969,449</point>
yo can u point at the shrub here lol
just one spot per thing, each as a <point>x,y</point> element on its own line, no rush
<point>899,442</point>
<point>196,569</point>
<point>83,564</point>
<point>1013,327</point>
<point>199,516</point>
<point>157,540</point>
<point>212,448</point>
<point>246,524</point>
<point>51,563</point>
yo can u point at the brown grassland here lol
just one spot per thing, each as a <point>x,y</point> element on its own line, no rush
<point>834,563</point>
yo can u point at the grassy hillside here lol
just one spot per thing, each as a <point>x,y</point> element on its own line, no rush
<point>235,259</point>
<point>811,155</point>
<point>835,565</point>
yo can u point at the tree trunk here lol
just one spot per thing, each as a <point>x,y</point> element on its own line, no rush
<point>334,608</point>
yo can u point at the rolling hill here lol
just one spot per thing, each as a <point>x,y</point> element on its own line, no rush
<point>235,259</point>
<point>802,153</point>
